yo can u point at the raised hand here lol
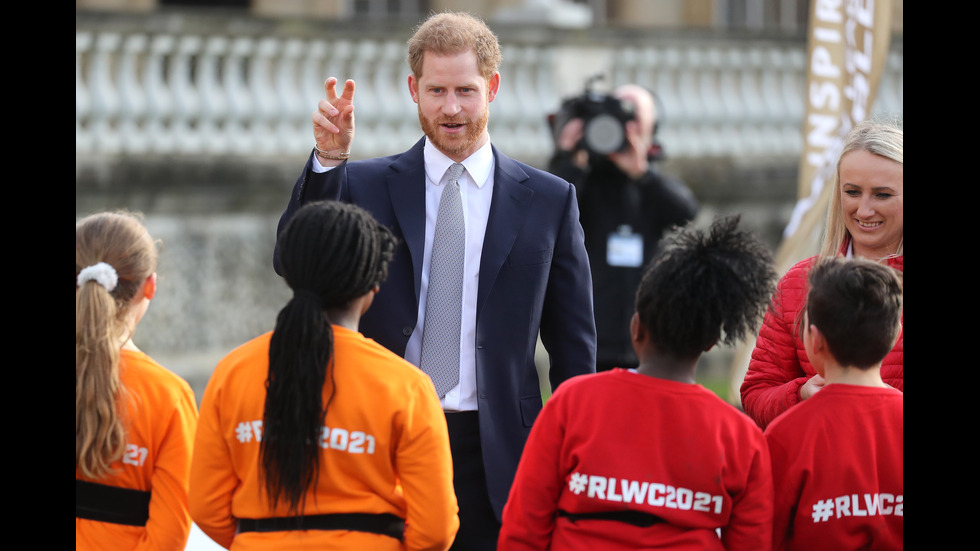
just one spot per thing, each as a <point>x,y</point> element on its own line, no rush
<point>633,160</point>
<point>568,141</point>
<point>333,120</point>
<point>570,135</point>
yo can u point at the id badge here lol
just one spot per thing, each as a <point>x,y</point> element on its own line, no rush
<point>625,248</point>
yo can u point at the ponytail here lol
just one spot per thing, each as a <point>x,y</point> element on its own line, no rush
<point>331,253</point>
<point>114,255</point>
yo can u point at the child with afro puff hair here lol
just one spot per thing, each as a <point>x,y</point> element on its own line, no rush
<point>646,457</point>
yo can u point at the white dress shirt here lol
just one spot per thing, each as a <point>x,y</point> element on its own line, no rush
<point>476,190</point>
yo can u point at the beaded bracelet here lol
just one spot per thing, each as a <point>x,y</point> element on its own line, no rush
<point>325,155</point>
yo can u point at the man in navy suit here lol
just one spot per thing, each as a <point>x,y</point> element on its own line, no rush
<point>525,266</point>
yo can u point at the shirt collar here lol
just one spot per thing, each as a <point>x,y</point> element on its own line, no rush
<point>478,165</point>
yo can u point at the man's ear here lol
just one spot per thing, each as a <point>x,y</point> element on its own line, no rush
<point>493,86</point>
<point>413,87</point>
<point>150,286</point>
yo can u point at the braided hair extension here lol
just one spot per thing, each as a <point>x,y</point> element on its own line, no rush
<point>331,253</point>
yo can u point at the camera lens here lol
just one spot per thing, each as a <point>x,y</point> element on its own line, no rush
<point>604,134</point>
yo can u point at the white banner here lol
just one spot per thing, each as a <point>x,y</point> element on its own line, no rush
<point>847,46</point>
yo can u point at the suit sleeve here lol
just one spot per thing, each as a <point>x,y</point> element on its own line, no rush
<point>561,165</point>
<point>774,376</point>
<point>532,506</point>
<point>213,479</point>
<point>568,321</point>
<point>169,523</point>
<point>311,186</point>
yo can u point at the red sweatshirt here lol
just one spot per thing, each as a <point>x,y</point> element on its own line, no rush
<point>621,441</point>
<point>837,462</point>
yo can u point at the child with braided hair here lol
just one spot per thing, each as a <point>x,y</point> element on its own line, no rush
<point>646,458</point>
<point>134,419</point>
<point>313,435</point>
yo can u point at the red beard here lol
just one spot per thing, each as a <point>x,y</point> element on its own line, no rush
<point>453,145</point>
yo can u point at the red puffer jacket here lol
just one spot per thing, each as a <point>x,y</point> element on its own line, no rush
<point>779,366</point>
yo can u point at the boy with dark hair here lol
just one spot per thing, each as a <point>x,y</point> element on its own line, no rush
<point>837,458</point>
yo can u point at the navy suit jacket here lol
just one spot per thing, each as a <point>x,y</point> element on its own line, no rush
<point>534,275</point>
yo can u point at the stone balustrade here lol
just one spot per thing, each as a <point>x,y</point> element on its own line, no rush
<point>214,95</point>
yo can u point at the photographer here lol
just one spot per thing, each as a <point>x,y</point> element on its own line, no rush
<point>626,204</point>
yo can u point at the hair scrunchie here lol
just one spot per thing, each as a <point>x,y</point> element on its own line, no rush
<point>101,273</point>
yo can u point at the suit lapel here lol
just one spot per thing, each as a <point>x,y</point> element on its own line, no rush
<point>509,209</point>
<point>406,188</point>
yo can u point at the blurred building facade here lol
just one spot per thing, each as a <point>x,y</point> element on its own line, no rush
<point>216,76</point>
<point>197,113</point>
<point>770,15</point>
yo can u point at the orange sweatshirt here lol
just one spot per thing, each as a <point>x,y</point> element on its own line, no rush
<point>161,419</point>
<point>384,449</point>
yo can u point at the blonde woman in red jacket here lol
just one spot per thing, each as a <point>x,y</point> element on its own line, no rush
<point>865,220</point>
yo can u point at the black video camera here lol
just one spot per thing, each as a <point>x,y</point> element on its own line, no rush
<point>604,120</point>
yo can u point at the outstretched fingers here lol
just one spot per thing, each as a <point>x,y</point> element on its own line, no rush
<point>333,119</point>
<point>348,93</point>
<point>330,89</point>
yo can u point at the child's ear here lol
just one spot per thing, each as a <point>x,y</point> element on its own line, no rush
<point>817,350</point>
<point>150,287</point>
<point>819,342</point>
<point>369,298</point>
<point>637,334</point>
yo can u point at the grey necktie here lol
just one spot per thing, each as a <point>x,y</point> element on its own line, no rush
<point>444,298</point>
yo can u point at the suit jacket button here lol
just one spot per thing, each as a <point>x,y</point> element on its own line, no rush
<point>407,331</point>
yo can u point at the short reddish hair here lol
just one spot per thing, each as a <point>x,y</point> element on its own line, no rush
<point>454,33</point>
